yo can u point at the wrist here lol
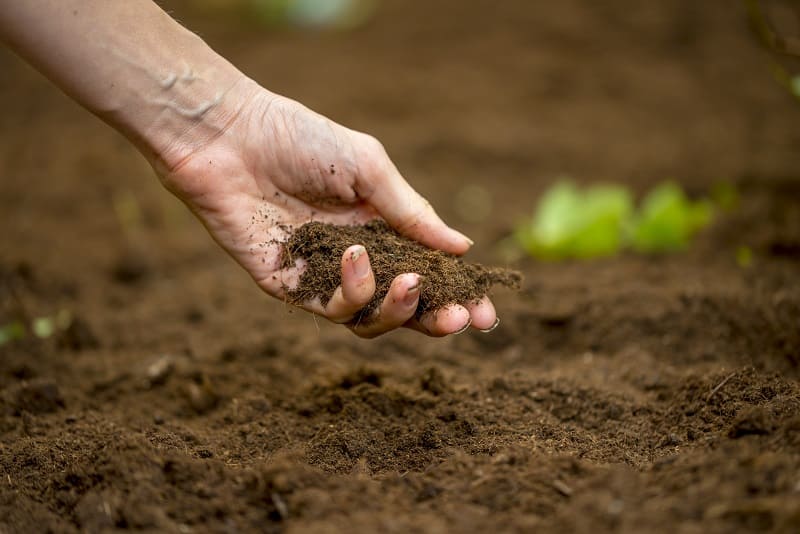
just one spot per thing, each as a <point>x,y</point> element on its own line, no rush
<point>135,67</point>
<point>184,105</point>
<point>188,118</point>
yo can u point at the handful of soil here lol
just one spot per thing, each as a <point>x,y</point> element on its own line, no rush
<point>446,279</point>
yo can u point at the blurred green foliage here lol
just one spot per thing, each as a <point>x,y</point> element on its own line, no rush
<point>667,220</point>
<point>336,15</point>
<point>332,14</point>
<point>571,223</point>
<point>725,195</point>
<point>602,220</point>
<point>41,327</point>
<point>744,256</point>
<point>780,46</point>
<point>11,331</point>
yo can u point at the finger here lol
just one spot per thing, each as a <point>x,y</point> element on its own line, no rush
<point>483,314</point>
<point>358,286</point>
<point>408,212</point>
<point>397,308</point>
<point>413,216</point>
<point>452,319</point>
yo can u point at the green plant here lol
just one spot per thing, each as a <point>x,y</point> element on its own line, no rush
<point>780,46</point>
<point>12,331</point>
<point>667,220</point>
<point>41,327</point>
<point>570,223</point>
<point>601,220</point>
<point>744,256</point>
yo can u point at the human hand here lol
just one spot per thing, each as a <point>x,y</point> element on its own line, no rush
<point>278,165</point>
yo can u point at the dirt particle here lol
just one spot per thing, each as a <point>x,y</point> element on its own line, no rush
<point>160,370</point>
<point>201,395</point>
<point>428,438</point>
<point>358,377</point>
<point>434,382</point>
<point>428,492</point>
<point>130,269</point>
<point>78,336</point>
<point>38,397</point>
<point>754,421</point>
<point>194,315</point>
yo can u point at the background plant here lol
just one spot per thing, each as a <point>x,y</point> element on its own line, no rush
<point>601,220</point>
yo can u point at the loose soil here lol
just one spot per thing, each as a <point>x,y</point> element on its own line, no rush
<point>631,394</point>
<point>444,278</point>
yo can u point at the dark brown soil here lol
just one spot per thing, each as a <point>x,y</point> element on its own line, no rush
<point>444,278</point>
<point>630,394</point>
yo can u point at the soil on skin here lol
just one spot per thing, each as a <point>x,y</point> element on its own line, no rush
<point>444,278</point>
<point>629,394</point>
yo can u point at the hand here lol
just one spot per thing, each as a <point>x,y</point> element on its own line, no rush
<point>278,165</point>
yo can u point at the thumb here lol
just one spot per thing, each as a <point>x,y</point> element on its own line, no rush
<point>407,211</point>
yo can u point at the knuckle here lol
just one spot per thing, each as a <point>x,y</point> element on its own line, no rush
<point>373,145</point>
<point>373,157</point>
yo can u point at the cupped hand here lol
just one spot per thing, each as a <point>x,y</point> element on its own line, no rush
<point>278,165</point>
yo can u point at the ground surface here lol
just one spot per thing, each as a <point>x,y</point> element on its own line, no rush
<point>631,394</point>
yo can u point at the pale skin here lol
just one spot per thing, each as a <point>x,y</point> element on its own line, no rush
<point>250,164</point>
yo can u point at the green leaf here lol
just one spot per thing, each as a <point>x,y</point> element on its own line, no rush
<point>600,221</point>
<point>11,331</point>
<point>570,223</point>
<point>667,220</point>
<point>606,208</point>
<point>795,84</point>
<point>744,256</point>
<point>43,327</point>
<point>725,195</point>
<point>271,12</point>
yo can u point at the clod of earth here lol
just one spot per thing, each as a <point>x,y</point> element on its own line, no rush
<point>445,279</point>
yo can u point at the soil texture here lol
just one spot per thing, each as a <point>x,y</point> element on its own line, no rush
<point>629,394</point>
<point>444,278</point>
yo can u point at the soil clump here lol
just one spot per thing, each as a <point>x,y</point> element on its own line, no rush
<point>445,279</point>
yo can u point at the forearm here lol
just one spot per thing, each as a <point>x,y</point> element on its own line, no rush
<point>131,64</point>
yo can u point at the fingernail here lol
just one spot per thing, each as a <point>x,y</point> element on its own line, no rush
<point>359,262</point>
<point>496,323</point>
<point>412,295</point>
<point>468,240</point>
<point>463,328</point>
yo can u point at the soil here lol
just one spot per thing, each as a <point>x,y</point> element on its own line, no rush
<point>630,394</point>
<point>444,278</point>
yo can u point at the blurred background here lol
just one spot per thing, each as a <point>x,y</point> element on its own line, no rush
<point>481,104</point>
